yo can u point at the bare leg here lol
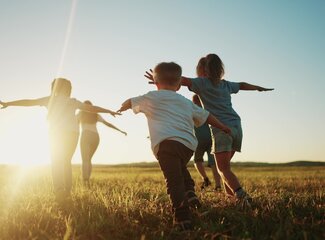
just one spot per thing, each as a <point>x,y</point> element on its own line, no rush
<point>88,145</point>
<point>70,145</point>
<point>227,189</point>
<point>223,164</point>
<point>216,175</point>
<point>200,168</point>
<point>63,145</point>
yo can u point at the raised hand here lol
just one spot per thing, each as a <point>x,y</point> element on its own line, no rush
<point>115,113</point>
<point>125,106</point>
<point>122,109</point>
<point>149,75</point>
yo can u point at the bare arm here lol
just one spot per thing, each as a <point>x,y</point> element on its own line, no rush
<point>247,86</point>
<point>112,126</point>
<point>26,102</point>
<point>213,121</point>
<point>186,82</point>
<point>125,106</point>
<point>96,109</point>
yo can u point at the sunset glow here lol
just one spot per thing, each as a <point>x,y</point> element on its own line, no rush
<point>104,48</point>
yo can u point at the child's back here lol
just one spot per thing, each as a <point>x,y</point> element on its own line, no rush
<point>171,120</point>
<point>215,94</point>
<point>170,116</point>
<point>216,98</point>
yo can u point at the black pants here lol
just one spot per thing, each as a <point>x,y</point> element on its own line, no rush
<point>173,157</point>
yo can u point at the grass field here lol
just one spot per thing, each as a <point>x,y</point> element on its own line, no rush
<point>131,203</point>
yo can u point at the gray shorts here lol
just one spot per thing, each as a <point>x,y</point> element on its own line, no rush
<point>222,142</point>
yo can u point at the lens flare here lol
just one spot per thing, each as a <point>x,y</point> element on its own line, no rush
<point>67,36</point>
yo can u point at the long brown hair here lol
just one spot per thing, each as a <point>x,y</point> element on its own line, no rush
<point>61,86</point>
<point>88,117</point>
<point>214,68</point>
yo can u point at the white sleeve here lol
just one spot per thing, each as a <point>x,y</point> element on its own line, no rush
<point>139,104</point>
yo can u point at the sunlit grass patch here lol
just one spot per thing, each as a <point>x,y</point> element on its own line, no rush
<point>132,203</point>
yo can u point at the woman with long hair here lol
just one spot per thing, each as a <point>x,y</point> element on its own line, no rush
<point>89,140</point>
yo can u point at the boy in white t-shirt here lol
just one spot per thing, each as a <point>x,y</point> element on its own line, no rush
<point>171,119</point>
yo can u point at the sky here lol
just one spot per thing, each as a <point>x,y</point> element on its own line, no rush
<point>104,48</point>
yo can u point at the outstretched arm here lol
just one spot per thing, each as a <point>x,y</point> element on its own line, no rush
<point>26,102</point>
<point>111,126</point>
<point>247,86</point>
<point>213,121</point>
<point>96,109</point>
<point>125,106</point>
<point>186,82</point>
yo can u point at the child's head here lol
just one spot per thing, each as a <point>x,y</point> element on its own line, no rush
<point>168,74</point>
<point>200,68</point>
<point>61,86</point>
<point>214,68</point>
<point>196,100</point>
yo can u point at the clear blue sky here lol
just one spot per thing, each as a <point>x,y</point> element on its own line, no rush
<point>276,44</point>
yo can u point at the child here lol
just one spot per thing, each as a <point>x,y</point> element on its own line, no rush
<point>171,118</point>
<point>203,136</point>
<point>215,94</point>
<point>63,131</point>
<point>89,139</point>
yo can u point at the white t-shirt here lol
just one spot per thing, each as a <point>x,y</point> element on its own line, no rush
<point>62,113</point>
<point>170,116</point>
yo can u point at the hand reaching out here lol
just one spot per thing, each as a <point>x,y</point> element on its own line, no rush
<point>125,106</point>
<point>261,89</point>
<point>121,110</point>
<point>149,75</point>
<point>115,113</point>
<point>3,105</point>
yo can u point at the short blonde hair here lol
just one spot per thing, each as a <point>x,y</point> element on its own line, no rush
<point>168,73</point>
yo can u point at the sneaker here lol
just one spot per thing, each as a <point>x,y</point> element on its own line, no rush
<point>206,182</point>
<point>243,198</point>
<point>218,189</point>
<point>182,226</point>
<point>193,200</point>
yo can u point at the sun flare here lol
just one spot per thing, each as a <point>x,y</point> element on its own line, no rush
<point>25,140</point>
